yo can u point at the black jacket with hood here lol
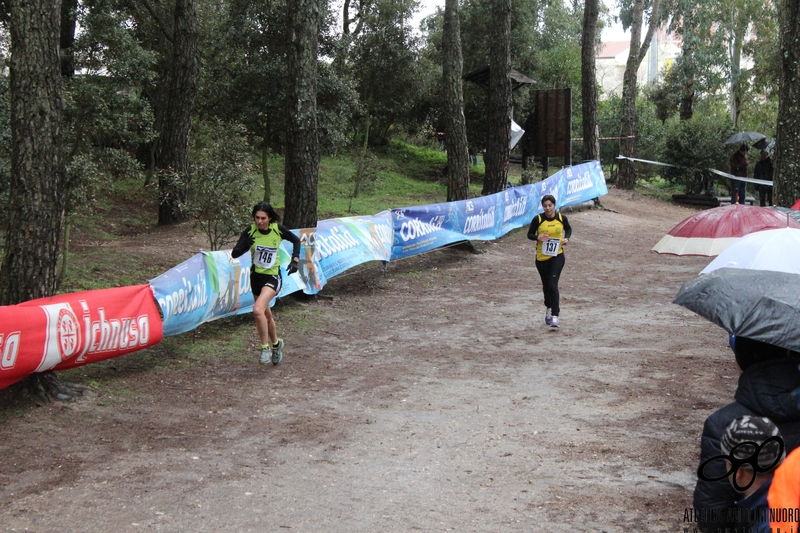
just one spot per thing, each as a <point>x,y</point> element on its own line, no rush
<point>765,389</point>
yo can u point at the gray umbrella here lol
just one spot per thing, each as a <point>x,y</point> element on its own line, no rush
<point>744,137</point>
<point>757,304</point>
<point>791,212</point>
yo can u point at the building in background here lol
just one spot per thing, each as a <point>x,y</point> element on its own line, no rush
<point>613,56</point>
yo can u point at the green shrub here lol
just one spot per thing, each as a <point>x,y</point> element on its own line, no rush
<point>221,182</point>
<point>696,145</point>
<point>649,133</point>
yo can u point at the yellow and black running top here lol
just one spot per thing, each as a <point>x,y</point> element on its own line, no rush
<point>556,228</point>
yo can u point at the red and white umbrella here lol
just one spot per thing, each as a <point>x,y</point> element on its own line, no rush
<point>710,232</point>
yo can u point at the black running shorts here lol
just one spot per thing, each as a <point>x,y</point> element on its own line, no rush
<point>259,281</point>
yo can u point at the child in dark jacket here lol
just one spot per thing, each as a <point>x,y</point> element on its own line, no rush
<point>770,375</point>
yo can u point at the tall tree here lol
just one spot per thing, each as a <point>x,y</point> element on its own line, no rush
<point>499,119</point>
<point>175,113</point>
<point>69,10</point>
<point>455,128</point>
<point>354,13</point>
<point>638,49</point>
<point>686,67</point>
<point>737,19</point>
<point>302,145</point>
<point>38,181</point>
<point>246,79</point>
<point>385,66</point>
<point>787,139</point>
<point>716,39</point>
<point>546,46</point>
<point>737,25</point>
<point>591,132</point>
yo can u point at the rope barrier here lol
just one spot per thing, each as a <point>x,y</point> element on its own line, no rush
<point>715,171</point>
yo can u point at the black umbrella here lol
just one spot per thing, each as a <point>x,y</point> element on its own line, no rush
<point>761,145</point>
<point>758,304</point>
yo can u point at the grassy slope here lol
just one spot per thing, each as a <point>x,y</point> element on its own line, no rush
<point>406,175</point>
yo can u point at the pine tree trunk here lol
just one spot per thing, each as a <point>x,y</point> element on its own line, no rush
<point>499,120</point>
<point>302,144</point>
<point>686,68</point>
<point>265,171</point>
<point>735,97</point>
<point>627,174</point>
<point>69,10</point>
<point>591,134</point>
<point>38,180</point>
<point>455,128</point>
<point>172,153</point>
<point>787,139</point>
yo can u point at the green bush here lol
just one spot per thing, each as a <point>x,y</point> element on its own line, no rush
<point>696,145</point>
<point>221,183</point>
<point>608,124</point>
<point>649,133</point>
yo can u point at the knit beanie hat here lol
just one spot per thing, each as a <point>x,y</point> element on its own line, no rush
<point>741,433</point>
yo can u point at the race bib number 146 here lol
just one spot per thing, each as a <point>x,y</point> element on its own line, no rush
<point>265,256</point>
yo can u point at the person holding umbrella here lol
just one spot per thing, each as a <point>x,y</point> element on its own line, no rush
<point>762,309</point>
<point>739,164</point>
<point>752,438</point>
<point>766,388</point>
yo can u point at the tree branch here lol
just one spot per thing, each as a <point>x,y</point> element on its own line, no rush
<point>158,20</point>
<point>655,17</point>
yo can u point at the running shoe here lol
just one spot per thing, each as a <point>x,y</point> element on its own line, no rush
<point>266,355</point>
<point>554,321</point>
<point>277,352</point>
<point>548,316</point>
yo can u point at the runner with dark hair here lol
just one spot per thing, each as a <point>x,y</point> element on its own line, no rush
<point>263,239</point>
<point>551,231</point>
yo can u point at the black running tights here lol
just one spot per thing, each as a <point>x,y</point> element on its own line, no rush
<point>550,271</point>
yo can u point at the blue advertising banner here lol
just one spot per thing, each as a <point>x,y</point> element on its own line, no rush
<point>342,243</point>
<point>213,285</point>
<point>297,281</point>
<point>228,284</point>
<point>423,228</point>
<point>182,295</point>
<point>573,185</point>
<point>520,205</point>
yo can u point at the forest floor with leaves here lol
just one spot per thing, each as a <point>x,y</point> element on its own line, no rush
<point>427,397</point>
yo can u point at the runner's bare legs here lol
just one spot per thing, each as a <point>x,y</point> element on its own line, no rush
<point>265,323</point>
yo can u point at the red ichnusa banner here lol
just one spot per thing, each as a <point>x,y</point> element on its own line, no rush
<point>75,329</point>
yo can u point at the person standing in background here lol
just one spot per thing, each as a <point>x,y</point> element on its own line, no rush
<point>763,171</point>
<point>739,164</point>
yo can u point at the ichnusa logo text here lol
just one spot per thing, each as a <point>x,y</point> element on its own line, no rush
<point>68,336</point>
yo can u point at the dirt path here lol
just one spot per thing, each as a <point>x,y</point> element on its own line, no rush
<point>428,398</point>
